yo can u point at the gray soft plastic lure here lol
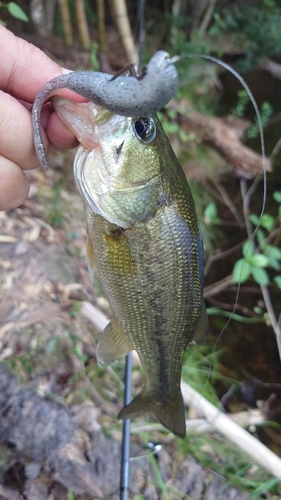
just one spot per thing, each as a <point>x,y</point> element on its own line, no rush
<point>123,95</point>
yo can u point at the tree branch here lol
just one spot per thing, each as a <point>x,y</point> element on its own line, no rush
<point>224,136</point>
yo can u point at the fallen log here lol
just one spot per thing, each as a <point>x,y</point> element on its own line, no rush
<point>224,135</point>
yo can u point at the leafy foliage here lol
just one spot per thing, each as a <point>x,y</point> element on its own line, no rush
<point>240,109</point>
<point>254,261</point>
<point>15,10</point>
<point>257,28</point>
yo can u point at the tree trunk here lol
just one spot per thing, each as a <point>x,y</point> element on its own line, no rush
<point>66,22</point>
<point>102,52</point>
<point>42,16</point>
<point>122,22</point>
<point>82,24</point>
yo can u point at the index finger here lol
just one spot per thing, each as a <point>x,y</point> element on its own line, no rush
<point>24,67</point>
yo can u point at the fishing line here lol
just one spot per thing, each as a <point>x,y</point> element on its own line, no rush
<point>251,190</point>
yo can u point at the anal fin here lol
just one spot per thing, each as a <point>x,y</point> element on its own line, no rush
<point>113,344</point>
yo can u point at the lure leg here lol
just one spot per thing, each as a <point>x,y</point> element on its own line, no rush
<point>134,70</point>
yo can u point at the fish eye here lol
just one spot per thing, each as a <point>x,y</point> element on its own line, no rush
<point>144,129</point>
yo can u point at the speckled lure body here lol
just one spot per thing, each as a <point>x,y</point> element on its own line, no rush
<point>123,95</point>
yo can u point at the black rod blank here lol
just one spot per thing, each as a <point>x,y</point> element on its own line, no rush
<point>125,456</point>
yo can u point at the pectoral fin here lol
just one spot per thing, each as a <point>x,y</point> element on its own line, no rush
<point>113,344</point>
<point>202,327</point>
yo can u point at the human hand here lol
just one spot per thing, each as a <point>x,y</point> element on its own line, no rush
<point>24,70</point>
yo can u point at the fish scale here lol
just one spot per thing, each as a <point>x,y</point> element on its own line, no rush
<point>149,260</point>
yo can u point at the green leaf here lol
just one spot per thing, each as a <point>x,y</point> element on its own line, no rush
<point>248,249</point>
<point>254,219</point>
<point>16,11</point>
<point>263,488</point>
<point>183,135</point>
<point>241,271</point>
<point>170,127</point>
<point>277,196</point>
<point>277,280</point>
<point>273,252</point>
<point>258,260</point>
<point>257,310</point>
<point>260,237</point>
<point>268,221</point>
<point>211,214</point>
<point>260,275</point>
<point>171,113</point>
<point>275,264</point>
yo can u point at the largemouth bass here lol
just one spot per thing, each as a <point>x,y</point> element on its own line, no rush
<point>145,242</point>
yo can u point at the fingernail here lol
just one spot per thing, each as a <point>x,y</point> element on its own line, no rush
<point>65,71</point>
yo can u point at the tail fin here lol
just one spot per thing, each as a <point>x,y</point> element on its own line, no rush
<point>171,415</point>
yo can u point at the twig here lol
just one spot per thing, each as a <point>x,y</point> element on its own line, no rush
<point>208,16</point>
<point>271,313</point>
<point>272,67</point>
<point>229,307</point>
<point>101,26</point>
<point>221,255</point>
<point>229,203</point>
<point>82,24</point>
<point>124,28</point>
<point>66,22</point>
<point>141,29</point>
<point>259,452</point>
<point>264,289</point>
<point>275,150</point>
<point>94,315</point>
<point>218,286</point>
<point>196,426</point>
<point>246,197</point>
